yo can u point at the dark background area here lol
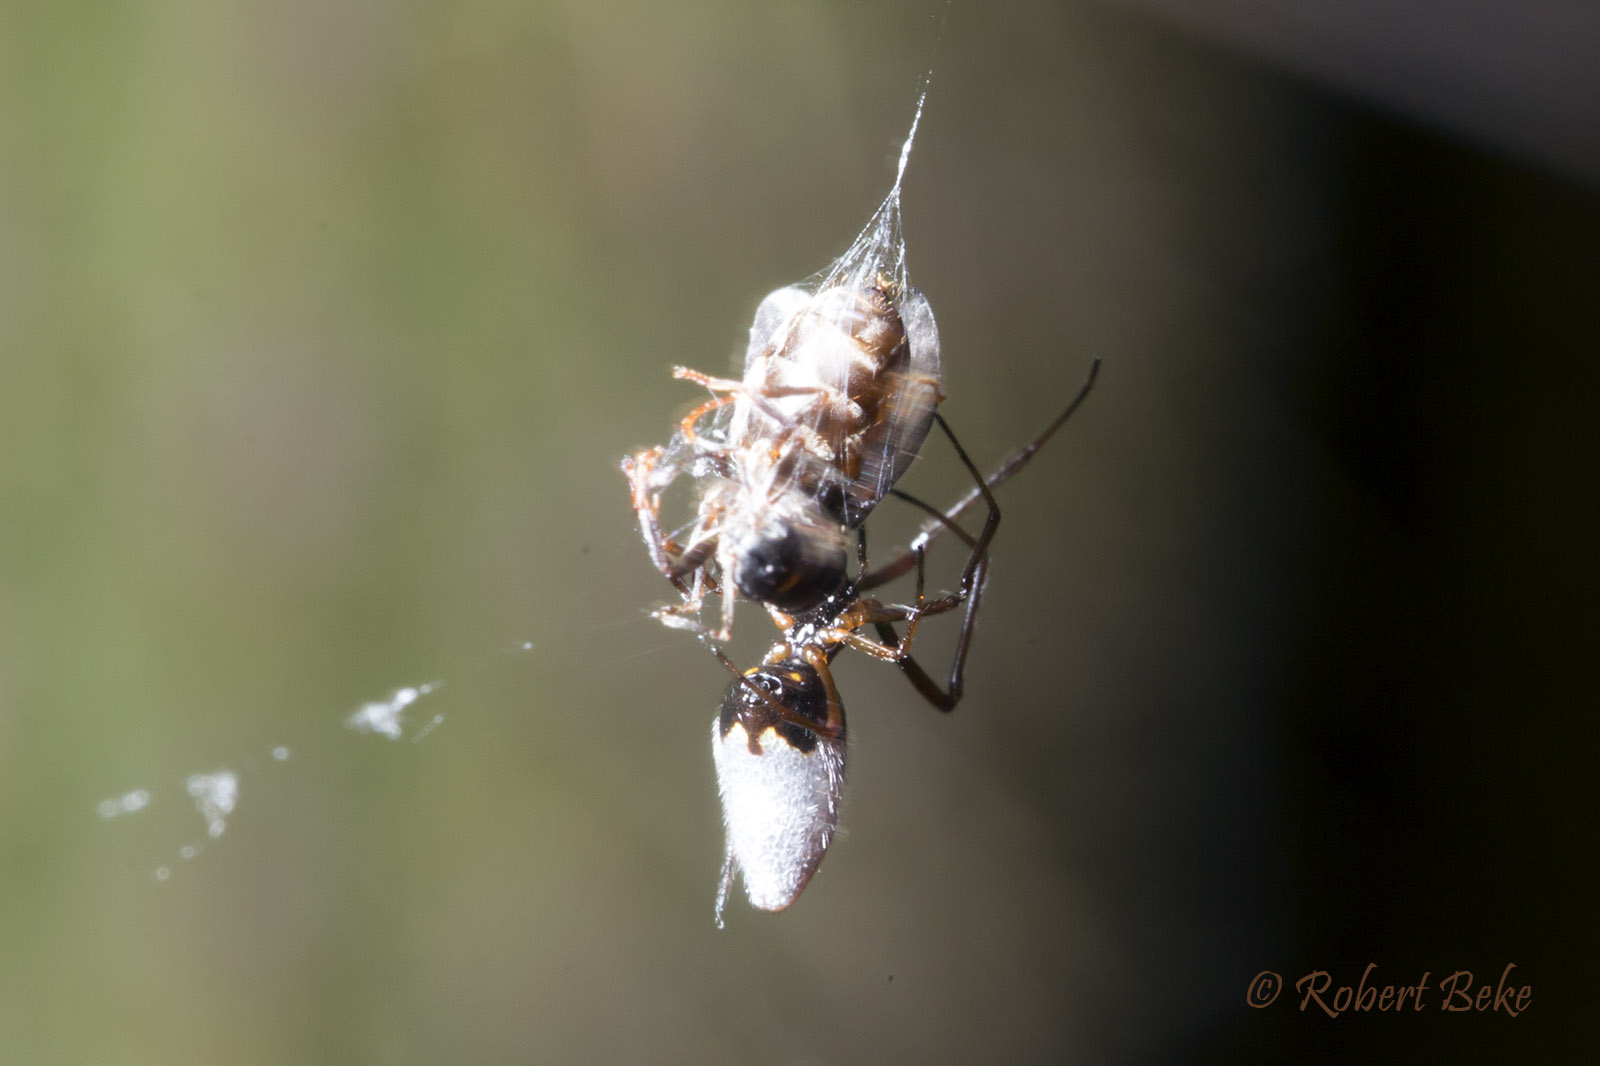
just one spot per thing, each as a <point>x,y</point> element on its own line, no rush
<point>322,329</point>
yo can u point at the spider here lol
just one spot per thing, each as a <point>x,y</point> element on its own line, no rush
<point>779,738</point>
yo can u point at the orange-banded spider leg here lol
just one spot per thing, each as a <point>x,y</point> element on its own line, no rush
<point>902,563</point>
<point>969,592</point>
<point>975,571</point>
<point>946,698</point>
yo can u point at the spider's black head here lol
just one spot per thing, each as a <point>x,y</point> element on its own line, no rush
<point>752,701</point>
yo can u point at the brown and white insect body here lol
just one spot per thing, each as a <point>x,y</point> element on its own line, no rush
<point>837,393</point>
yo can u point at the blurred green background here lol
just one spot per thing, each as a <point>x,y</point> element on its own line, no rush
<point>323,328</point>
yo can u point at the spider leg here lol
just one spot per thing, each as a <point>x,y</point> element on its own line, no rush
<point>902,562</point>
